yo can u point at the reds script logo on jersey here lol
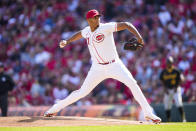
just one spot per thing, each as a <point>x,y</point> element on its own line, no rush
<point>99,37</point>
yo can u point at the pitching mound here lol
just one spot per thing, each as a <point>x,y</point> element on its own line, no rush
<point>64,121</point>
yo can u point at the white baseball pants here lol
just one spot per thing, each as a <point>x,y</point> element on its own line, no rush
<point>98,73</point>
<point>176,96</point>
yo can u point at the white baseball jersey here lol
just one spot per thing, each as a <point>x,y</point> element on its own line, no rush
<point>101,42</point>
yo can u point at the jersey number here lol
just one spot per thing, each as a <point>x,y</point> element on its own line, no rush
<point>173,82</point>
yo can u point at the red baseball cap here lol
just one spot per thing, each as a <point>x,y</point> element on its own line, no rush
<point>92,13</point>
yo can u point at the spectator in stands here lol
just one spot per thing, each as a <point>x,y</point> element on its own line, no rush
<point>29,39</point>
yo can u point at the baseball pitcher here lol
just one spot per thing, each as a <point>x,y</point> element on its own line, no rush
<point>171,79</point>
<point>105,63</point>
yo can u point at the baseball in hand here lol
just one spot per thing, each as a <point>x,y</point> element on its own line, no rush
<point>63,43</point>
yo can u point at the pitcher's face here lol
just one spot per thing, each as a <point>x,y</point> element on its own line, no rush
<point>94,21</point>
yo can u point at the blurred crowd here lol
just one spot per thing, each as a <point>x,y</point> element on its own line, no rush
<point>30,31</point>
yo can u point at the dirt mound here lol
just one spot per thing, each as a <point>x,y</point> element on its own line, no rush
<point>63,121</point>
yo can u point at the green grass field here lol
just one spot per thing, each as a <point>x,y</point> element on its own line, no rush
<point>190,126</point>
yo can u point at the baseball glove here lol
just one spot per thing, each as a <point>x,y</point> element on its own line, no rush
<point>132,45</point>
